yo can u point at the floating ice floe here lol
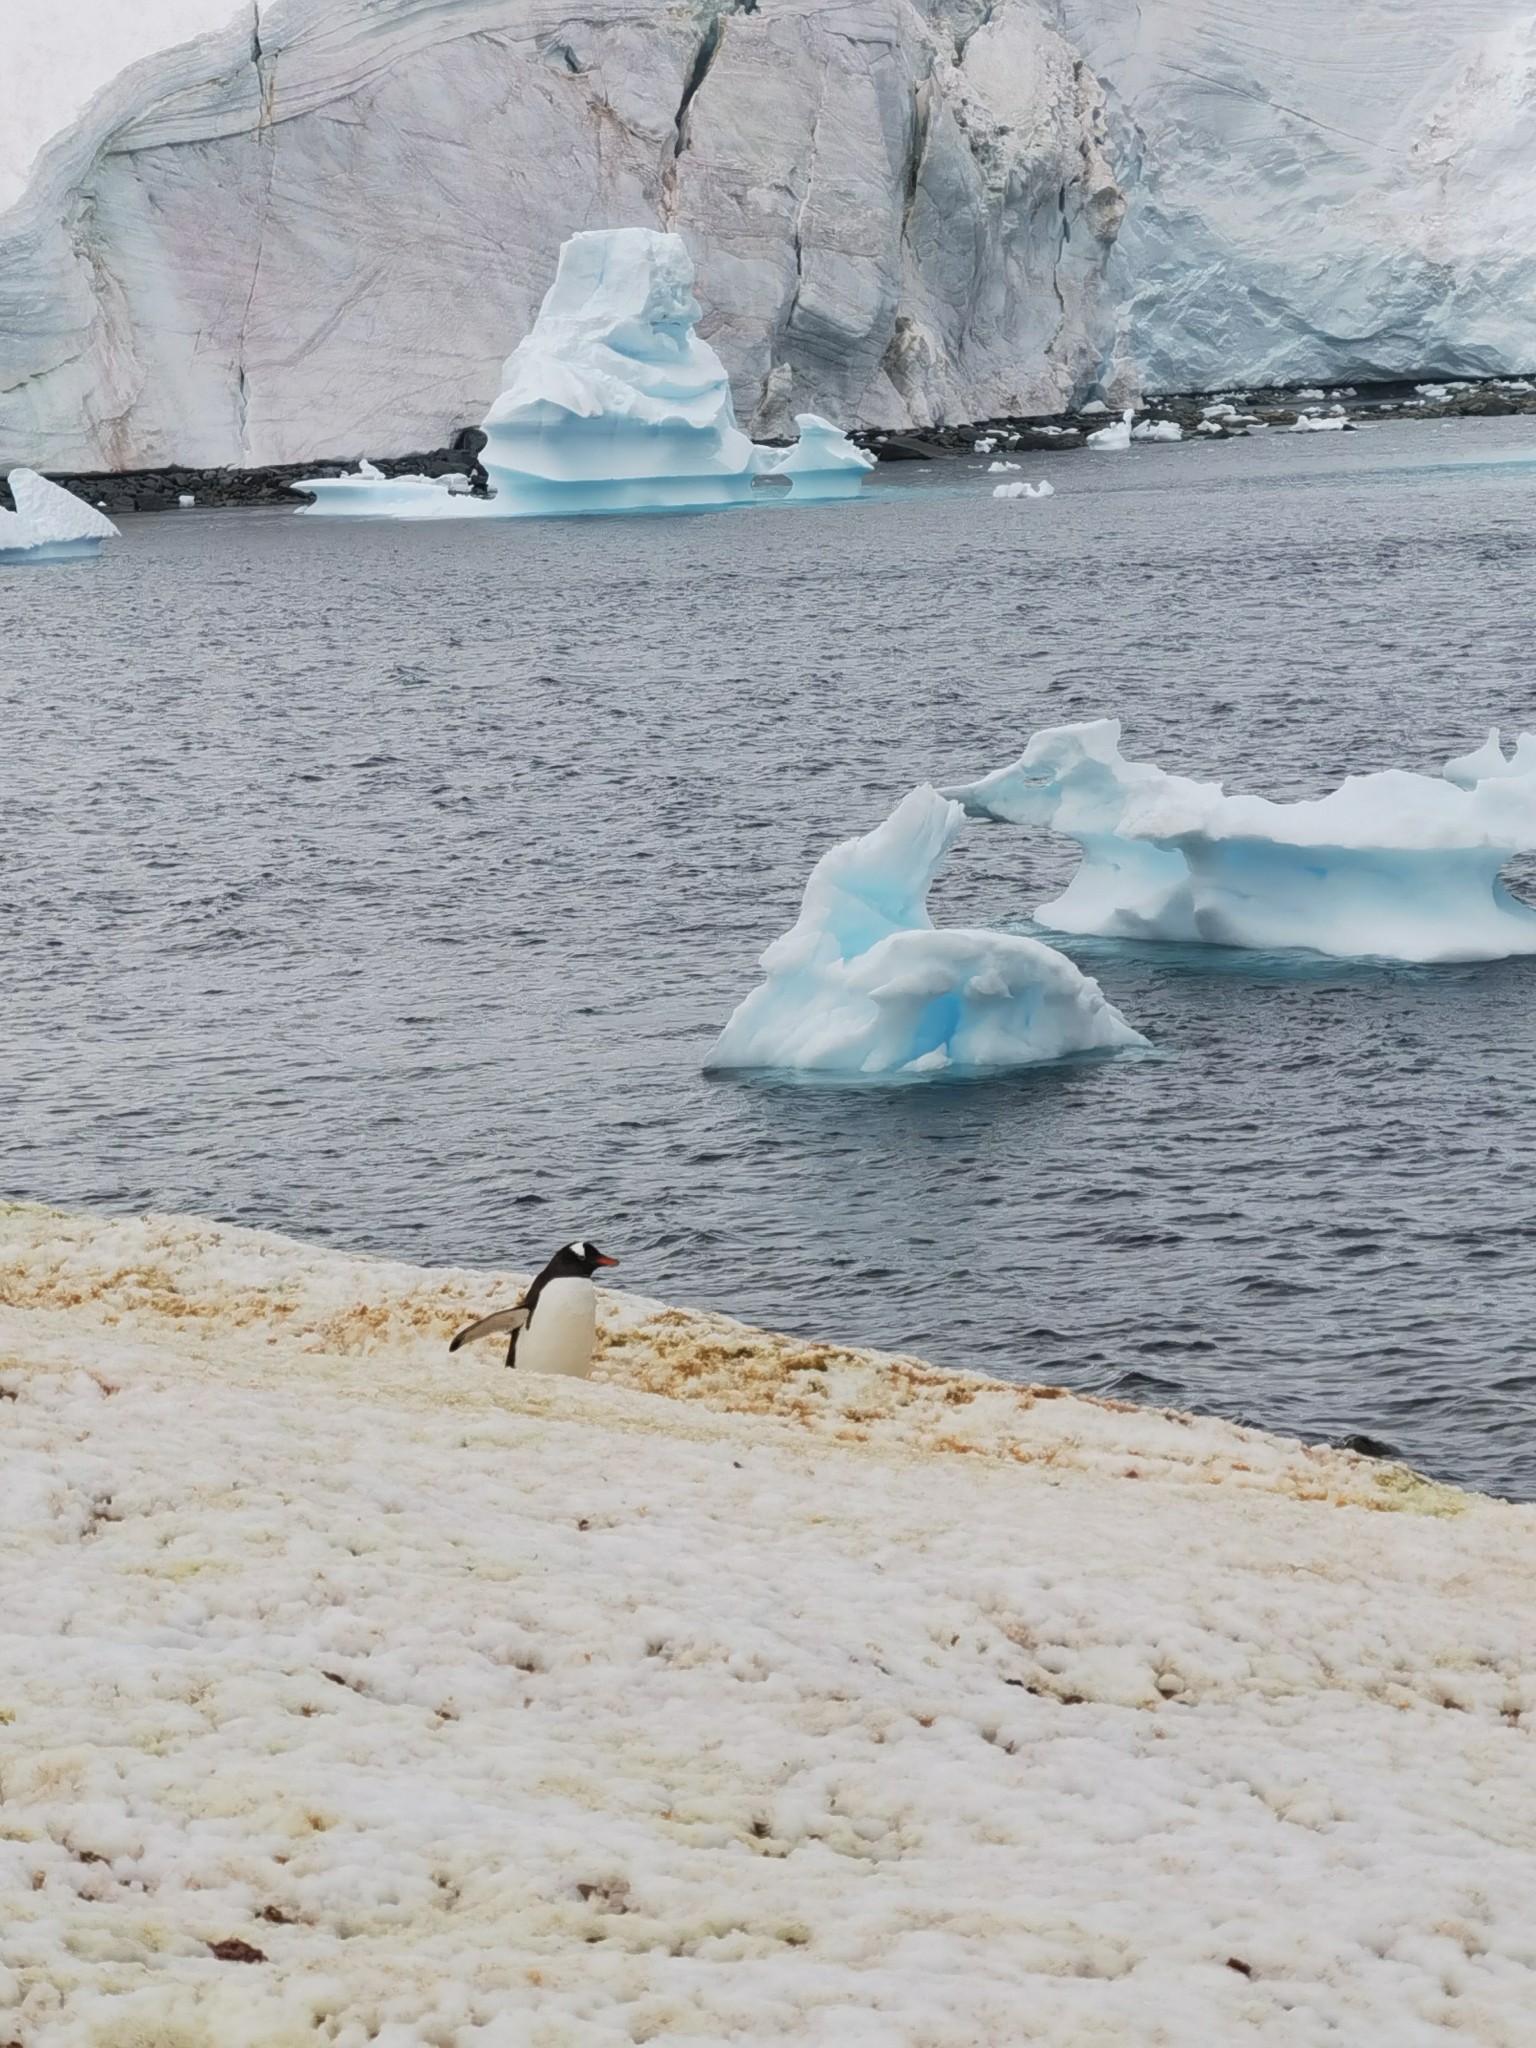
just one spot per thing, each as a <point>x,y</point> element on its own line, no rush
<point>864,985</point>
<point>1390,866</point>
<point>1158,430</point>
<point>49,524</point>
<point>1043,489</point>
<point>1318,423</point>
<point>823,464</point>
<point>1116,439</point>
<point>367,493</point>
<point>612,403</point>
<point>998,468</point>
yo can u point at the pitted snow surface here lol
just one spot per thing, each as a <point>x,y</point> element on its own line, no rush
<point>353,1695</point>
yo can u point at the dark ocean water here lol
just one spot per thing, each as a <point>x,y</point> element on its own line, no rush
<point>387,885</point>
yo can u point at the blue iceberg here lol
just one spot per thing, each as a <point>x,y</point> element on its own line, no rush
<point>49,524</point>
<point>1392,865</point>
<point>611,403</point>
<point>865,986</point>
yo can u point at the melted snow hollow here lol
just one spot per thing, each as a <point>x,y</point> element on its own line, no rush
<point>758,1690</point>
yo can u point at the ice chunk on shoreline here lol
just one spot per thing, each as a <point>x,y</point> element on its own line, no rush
<point>823,464</point>
<point>49,524</point>
<point>863,985</point>
<point>1116,439</point>
<point>1391,865</point>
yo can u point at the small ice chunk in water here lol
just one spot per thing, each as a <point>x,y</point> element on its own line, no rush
<point>997,468</point>
<point>864,986</point>
<point>1043,489</point>
<point>1158,430</point>
<point>823,463</point>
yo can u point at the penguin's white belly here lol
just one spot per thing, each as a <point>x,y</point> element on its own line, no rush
<point>561,1330</point>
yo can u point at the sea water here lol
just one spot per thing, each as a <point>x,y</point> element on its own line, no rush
<point>387,885</point>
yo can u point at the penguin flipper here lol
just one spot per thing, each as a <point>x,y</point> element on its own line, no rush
<point>490,1326</point>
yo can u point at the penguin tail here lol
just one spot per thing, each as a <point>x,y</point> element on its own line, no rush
<point>490,1326</point>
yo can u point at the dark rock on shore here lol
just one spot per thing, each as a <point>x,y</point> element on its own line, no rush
<point>161,490</point>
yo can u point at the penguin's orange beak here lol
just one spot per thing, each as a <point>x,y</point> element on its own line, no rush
<point>604,1260</point>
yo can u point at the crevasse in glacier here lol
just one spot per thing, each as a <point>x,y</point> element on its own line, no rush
<point>49,524</point>
<point>863,985</point>
<point>1390,866</point>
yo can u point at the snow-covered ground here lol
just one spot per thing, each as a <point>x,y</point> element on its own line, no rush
<point>757,1691</point>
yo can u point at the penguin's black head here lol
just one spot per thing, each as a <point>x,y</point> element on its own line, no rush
<point>582,1257</point>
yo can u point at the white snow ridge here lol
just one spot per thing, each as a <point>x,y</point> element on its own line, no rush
<point>761,1691</point>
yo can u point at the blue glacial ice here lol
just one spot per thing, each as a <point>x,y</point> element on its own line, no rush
<point>612,403</point>
<point>865,986</point>
<point>49,524</point>
<point>1393,865</point>
<point>823,463</point>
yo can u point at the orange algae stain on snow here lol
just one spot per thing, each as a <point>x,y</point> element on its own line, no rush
<point>212,1282</point>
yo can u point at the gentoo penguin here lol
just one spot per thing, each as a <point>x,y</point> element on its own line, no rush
<point>555,1323</point>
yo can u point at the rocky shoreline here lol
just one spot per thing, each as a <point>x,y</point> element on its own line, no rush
<point>1210,415</point>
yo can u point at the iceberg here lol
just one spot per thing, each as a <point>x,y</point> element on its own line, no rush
<point>863,985</point>
<point>611,403</point>
<point>368,493</point>
<point>49,524</point>
<point>1392,865</point>
<point>823,464</point>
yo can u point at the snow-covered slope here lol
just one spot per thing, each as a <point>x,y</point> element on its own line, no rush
<point>766,1693</point>
<point>318,227</point>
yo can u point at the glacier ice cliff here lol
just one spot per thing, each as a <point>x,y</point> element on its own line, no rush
<point>286,229</point>
<point>863,985</point>
<point>1388,866</point>
<point>48,524</point>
